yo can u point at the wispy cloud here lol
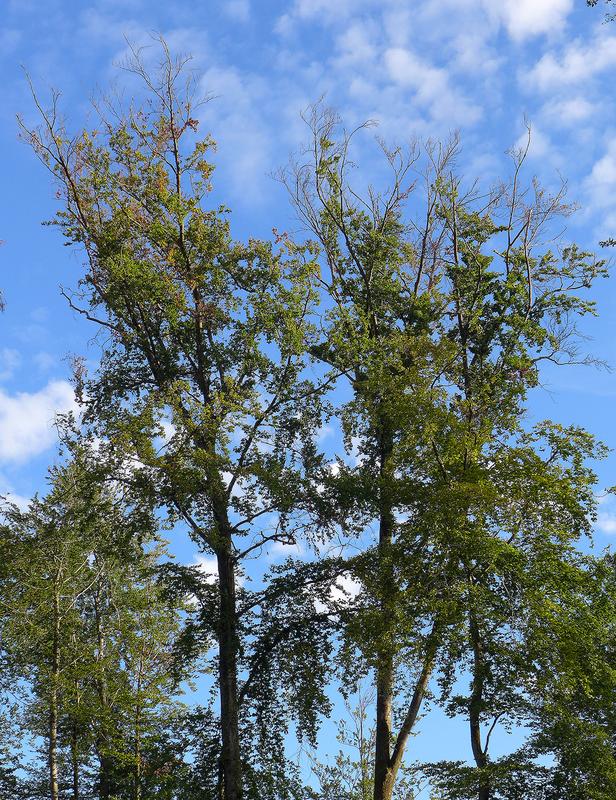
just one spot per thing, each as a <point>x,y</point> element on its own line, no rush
<point>430,86</point>
<point>238,10</point>
<point>10,359</point>
<point>606,522</point>
<point>576,63</point>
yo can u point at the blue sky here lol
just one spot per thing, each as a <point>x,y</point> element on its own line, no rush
<point>421,68</point>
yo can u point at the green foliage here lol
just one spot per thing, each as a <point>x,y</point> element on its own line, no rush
<point>441,328</point>
<point>419,319</point>
<point>201,386</point>
<point>86,624</point>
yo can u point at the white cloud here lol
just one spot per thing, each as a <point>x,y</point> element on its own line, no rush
<point>285,549</point>
<point>526,18</point>
<point>239,121</point>
<point>522,19</point>
<point>431,87</point>
<point>473,52</point>
<point>603,173</point>
<point>21,501</point>
<point>345,589</point>
<point>540,145</point>
<point>606,518</point>
<point>357,45</point>
<point>601,183</point>
<point>238,10</point>
<point>569,110</point>
<point>325,432</point>
<point>238,489</point>
<point>600,186</point>
<point>578,63</point>
<point>9,361</point>
<point>320,10</point>
<point>606,523</point>
<point>26,420</point>
<point>8,493</point>
<point>398,24</point>
<point>208,566</point>
<point>45,361</point>
<point>343,592</point>
<point>334,468</point>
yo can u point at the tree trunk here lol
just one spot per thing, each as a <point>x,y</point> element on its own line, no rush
<point>475,706</point>
<point>53,700</point>
<point>137,775</point>
<point>105,762</point>
<point>389,771</point>
<point>383,774</point>
<point>383,777</point>
<point>387,762</point>
<point>227,661</point>
<point>75,760</point>
<point>75,716</point>
<point>137,790</point>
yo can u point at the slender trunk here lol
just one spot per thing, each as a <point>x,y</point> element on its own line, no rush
<point>364,754</point>
<point>383,777</point>
<point>475,706</point>
<point>137,791</point>
<point>387,760</point>
<point>227,661</point>
<point>137,787</point>
<point>75,716</point>
<point>75,759</point>
<point>105,762</point>
<point>53,699</point>
<point>395,760</point>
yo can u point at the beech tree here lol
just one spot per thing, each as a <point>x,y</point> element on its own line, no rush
<point>512,500</point>
<point>203,350</point>
<point>381,277</point>
<point>574,719</point>
<point>441,328</point>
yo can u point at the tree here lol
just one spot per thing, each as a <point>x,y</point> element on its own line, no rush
<point>514,501</point>
<point>49,575</point>
<point>350,775</point>
<point>384,334</point>
<point>574,721</point>
<point>608,16</point>
<point>84,619</point>
<point>441,328</point>
<point>133,627</point>
<point>201,371</point>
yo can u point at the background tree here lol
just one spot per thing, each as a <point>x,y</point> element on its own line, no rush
<point>574,721</point>
<point>84,620</point>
